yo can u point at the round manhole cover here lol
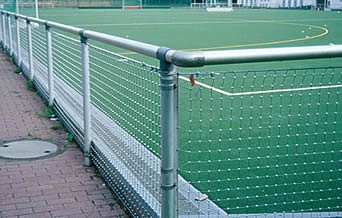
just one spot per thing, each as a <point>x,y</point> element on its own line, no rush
<point>28,149</point>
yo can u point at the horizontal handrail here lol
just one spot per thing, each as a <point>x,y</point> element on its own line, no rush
<point>200,58</point>
<point>132,45</point>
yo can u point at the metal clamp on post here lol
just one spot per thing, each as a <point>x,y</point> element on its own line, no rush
<point>47,27</point>
<point>83,39</point>
<point>161,53</point>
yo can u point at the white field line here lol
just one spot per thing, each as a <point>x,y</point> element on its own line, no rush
<point>199,22</point>
<point>171,23</point>
<point>260,92</point>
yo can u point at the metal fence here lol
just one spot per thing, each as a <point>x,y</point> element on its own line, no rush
<point>18,5</point>
<point>169,143</point>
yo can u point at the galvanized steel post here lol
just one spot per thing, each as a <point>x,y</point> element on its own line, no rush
<point>168,137</point>
<point>3,30</point>
<point>29,42</point>
<point>17,24</point>
<point>9,34</point>
<point>86,97</point>
<point>49,65</point>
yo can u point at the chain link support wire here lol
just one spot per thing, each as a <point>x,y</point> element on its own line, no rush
<point>264,142</point>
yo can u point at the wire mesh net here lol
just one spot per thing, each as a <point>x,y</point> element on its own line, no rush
<point>128,92</point>
<point>39,58</point>
<point>263,141</point>
<point>67,73</point>
<point>24,45</point>
<point>126,124</point>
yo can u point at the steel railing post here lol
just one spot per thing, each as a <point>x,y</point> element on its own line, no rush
<point>3,30</point>
<point>29,41</point>
<point>86,97</point>
<point>49,65</point>
<point>9,34</point>
<point>168,136</point>
<point>17,22</point>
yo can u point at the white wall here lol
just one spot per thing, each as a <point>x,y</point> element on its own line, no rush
<point>336,4</point>
<point>288,3</point>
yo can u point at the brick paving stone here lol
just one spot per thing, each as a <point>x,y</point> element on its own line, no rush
<point>59,186</point>
<point>17,212</point>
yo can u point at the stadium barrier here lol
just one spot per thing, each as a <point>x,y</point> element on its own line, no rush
<point>234,149</point>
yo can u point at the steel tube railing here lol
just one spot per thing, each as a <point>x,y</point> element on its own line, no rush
<point>168,60</point>
<point>202,58</point>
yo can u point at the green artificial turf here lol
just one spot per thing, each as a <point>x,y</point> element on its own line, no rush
<point>264,152</point>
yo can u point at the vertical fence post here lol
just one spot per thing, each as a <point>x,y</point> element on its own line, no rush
<point>168,137</point>
<point>86,97</point>
<point>49,64</point>
<point>29,42</point>
<point>3,30</point>
<point>17,22</point>
<point>9,34</point>
<point>175,126</point>
<point>17,6</point>
<point>36,8</point>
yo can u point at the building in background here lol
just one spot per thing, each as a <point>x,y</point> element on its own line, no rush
<point>301,4</point>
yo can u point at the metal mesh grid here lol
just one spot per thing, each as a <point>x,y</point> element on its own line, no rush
<point>125,123</point>
<point>6,31</point>
<point>40,58</point>
<point>68,82</point>
<point>263,141</point>
<point>13,34</point>
<point>67,60</point>
<point>24,45</point>
<point>128,92</point>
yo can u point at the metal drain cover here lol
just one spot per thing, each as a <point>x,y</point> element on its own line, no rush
<point>27,149</point>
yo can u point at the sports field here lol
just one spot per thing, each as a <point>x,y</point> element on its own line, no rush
<point>256,138</point>
<point>195,29</point>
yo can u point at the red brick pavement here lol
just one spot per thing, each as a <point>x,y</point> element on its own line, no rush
<point>59,186</point>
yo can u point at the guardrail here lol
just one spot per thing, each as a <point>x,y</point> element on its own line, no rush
<point>15,28</point>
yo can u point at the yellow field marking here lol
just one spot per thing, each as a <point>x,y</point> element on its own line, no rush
<point>326,31</point>
<point>3,59</point>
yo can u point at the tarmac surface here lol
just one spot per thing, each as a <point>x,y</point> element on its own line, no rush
<point>55,185</point>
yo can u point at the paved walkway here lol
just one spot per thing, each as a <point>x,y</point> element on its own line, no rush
<point>59,186</point>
